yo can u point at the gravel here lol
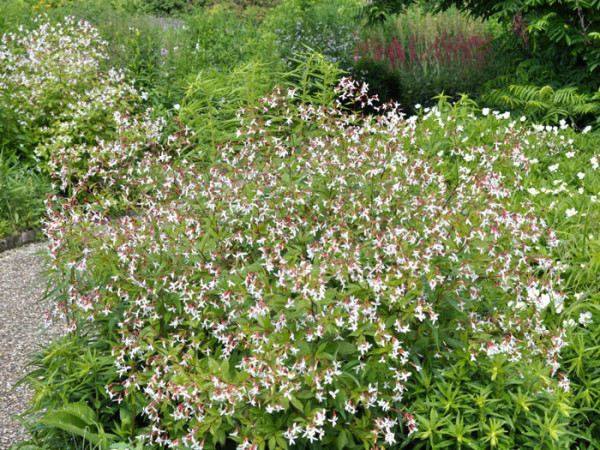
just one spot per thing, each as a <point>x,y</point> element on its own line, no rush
<point>22,331</point>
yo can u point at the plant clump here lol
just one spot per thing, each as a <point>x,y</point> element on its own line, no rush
<point>53,93</point>
<point>288,292</point>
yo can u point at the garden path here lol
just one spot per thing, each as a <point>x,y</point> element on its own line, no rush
<point>22,331</point>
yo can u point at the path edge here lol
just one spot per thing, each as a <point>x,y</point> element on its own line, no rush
<point>20,239</point>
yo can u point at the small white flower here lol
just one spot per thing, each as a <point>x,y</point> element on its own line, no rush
<point>485,111</point>
<point>570,154</point>
<point>553,168</point>
<point>533,191</point>
<point>176,107</point>
<point>585,318</point>
<point>587,129</point>
<point>523,118</point>
<point>544,301</point>
<point>571,212</point>
<point>581,175</point>
<point>418,106</point>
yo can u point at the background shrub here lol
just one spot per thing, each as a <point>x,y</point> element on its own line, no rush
<point>329,27</point>
<point>52,93</point>
<point>416,55</point>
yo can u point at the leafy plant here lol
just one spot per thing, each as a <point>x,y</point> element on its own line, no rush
<point>328,27</point>
<point>52,94</point>
<point>22,194</point>
<point>544,104</point>
<point>415,56</point>
<point>233,323</point>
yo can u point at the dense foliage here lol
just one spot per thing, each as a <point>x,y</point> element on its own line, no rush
<point>551,46</point>
<point>52,93</point>
<point>413,57</point>
<point>249,254</point>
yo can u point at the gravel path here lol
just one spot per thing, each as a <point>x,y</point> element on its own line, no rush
<point>22,331</point>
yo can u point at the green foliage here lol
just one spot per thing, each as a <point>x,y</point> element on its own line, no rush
<point>551,43</point>
<point>170,6</point>
<point>70,405</point>
<point>13,14</point>
<point>414,56</point>
<point>465,406</point>
<point>213,101</point>
<point>52,93</point>
<point>329,27</point>
<point>22,194</point>
<point>214,72</point>
<point>544,104</point>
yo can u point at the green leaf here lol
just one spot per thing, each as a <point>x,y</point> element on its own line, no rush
<point>78,419</point>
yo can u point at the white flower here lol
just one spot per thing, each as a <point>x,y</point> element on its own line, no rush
<point>587,129</point>
<point>418,106</point>
<point>485,111</point>
<point>533,191</point>
<point>570,154</point>
<point>176,106</point>
<point>585,318</point>
<point>544,301</point>
<point>553,168</point>
<point>581,175</point>
<point>571,212</point>
<point>523,118</point>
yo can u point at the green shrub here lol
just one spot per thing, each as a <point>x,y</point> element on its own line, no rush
<point>213,100</point>
<point>169,6</point>
<point>52,92</point>
<point>545,104</point>
<point>13,14</point>
<point>330,278</point>
<point>329,27</point>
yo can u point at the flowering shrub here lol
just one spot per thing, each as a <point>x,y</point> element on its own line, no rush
<point>415,56</point>
<point>52,92</point>
<point>291,292</point>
